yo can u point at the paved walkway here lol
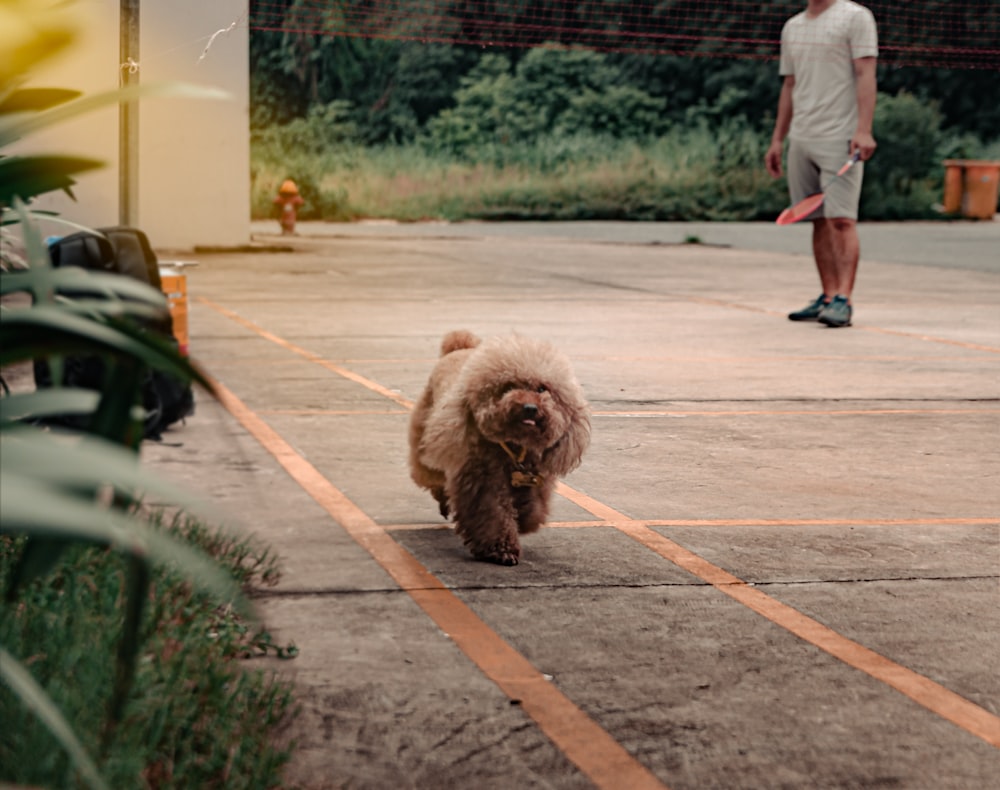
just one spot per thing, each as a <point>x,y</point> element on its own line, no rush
<point>777,567</point>
<point>960,244</point>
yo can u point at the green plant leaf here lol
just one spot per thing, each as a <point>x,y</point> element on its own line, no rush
<point>50,488</point>
<point>34,247</point>
<point>14,130</point>
<point>36,99</point>
<point>37,701</point>
<point>84,464</point>
<point>46,216</point>
<point>113,310</point>
<point>44,329</point>
<point>63,488</point>
<point>43,284</point>
<point>46,403</point>
<point>115,418</point>
<point>40,510</point>
<point>28,176</point>
<point>136,592</point>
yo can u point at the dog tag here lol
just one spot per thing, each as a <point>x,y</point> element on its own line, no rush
<point>520,479</point>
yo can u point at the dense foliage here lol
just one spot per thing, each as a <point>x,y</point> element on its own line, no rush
<point>563,134</point>
<point>372,121</point>
<point>395,86</point>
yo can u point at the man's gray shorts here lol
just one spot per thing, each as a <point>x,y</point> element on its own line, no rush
<point>813,164</point>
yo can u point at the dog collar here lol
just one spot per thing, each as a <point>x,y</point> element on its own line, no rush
<point>521,477</point>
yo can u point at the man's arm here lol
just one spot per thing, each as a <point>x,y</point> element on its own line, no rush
<point>772,159</point>
<point>864,73</point>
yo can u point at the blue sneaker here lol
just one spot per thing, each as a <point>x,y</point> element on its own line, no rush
<point>837,313</point>
<point>811,311</point>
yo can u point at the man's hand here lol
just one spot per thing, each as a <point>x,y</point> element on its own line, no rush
<point>865,143</point>
<point>772,159</point>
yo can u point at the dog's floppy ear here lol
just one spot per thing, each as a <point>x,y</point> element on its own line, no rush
<point>449,434</point>
<point>565,455</point>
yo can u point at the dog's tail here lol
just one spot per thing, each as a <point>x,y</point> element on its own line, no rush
<point>457,340</point>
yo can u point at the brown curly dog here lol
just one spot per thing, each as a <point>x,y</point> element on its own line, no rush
<point>497,424</point>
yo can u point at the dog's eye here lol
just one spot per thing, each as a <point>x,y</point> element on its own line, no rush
<point>542,388</point>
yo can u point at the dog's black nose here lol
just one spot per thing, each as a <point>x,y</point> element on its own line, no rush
<point>529,409</point>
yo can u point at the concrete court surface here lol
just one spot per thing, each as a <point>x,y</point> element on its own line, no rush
<point>777,567</point>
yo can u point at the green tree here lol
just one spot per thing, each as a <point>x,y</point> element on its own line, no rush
<point>396,75</point>
<point>905,172</point>
<point>551,91</point>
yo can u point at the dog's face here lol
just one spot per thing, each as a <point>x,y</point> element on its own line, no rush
<point>509,389</point>
<point>527,413</point>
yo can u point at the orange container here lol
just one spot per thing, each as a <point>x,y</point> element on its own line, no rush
<point>954,176</point>
<point>971,187</point>
<point>981,182</point>
<point>175,289</point>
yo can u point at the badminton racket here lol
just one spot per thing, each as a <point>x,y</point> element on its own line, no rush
<point>808,205</point>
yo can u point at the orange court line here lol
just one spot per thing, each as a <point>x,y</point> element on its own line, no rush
<point>208,360</point>
<point>670,413</point>
<point>791,412</point>
<point>924,691</point>
<point>599,756</point>
<point>931,339</point>
<point>855,359</point>
<point>817,522</point>
<point>743,522</point>
<point>331,412</point>
<point>852,358</point>
<point>226,361</point>
<point>723,303</point>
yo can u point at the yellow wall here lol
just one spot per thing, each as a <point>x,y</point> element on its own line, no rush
<point>194,182</point>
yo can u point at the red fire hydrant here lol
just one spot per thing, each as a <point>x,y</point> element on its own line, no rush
<point>289,200</point>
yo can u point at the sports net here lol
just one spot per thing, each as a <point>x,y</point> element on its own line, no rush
<point>951,34</point>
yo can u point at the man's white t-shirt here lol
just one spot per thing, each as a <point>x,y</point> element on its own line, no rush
<point>820,52</point>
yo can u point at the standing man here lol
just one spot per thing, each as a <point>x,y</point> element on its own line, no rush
<point>828,55</point>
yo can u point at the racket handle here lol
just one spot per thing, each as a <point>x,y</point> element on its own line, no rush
<point>850,163</point>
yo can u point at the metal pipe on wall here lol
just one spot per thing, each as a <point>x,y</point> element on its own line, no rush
<point>128,116</point>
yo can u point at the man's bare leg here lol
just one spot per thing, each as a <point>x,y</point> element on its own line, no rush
<point>837,251</point>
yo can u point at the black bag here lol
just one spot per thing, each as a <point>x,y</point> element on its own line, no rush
<point>126,251</point>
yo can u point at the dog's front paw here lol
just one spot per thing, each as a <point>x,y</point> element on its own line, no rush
<point>442,500</point>
<point>500,553</point>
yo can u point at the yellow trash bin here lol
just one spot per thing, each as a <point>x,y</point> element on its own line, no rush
<point>174,283</point>
<point>970,187</point>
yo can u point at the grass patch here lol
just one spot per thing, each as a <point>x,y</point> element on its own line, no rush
<point>687,175</point>
<point>693,172</point>
<point>197,715</point>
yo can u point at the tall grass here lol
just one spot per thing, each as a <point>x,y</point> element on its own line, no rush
<point>197,716</point>
<point>685,175</point>
<point>704,170</point>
